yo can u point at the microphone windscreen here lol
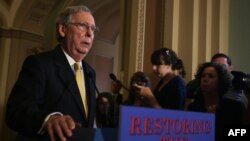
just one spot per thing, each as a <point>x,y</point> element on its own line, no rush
<point>112,76</point>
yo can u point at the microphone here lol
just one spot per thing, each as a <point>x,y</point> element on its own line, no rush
<point>113,77</point>
<point>90,75</point>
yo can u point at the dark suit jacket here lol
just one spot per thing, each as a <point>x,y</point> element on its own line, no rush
<point>47,84</point>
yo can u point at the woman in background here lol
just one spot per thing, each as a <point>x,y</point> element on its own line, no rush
<point>214,82</point>
<point>141,79</point>
<point>105,110</point>
<point>170,92</point>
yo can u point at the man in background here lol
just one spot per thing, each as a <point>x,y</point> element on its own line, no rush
<point>237,92</point>
<point>117,97</point>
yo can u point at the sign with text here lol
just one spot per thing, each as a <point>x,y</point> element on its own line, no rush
<point>149,124</point>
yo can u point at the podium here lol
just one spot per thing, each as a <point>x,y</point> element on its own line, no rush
<point>80,134</point>
<point>95,134</point>
<point>149,124</point>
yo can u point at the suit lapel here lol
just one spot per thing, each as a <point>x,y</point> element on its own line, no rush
<point>88,85</point>
<point>66,75</point>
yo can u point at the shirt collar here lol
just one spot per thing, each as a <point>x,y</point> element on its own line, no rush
<point>71,61</point>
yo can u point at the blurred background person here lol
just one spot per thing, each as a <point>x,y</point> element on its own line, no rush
<point>116,92</point>
<point>134,99</point>
<point>105,110</point>
<point>236,91</point>
<point>170,92</point>
<point>214,81</point>
<point>117,97</point>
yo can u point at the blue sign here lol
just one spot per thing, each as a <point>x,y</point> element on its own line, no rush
<point>149,124</point>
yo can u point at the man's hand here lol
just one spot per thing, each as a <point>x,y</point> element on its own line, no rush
<point>60,127</point>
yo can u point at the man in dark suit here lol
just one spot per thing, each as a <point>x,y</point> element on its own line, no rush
<point>117,97</point>
<point>46,99</point>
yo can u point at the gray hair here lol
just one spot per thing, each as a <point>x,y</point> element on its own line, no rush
<point>64,18</point>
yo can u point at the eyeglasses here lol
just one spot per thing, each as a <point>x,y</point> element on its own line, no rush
<point>85,27</point>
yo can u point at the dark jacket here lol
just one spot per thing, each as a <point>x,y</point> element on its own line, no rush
<point>47,84</point>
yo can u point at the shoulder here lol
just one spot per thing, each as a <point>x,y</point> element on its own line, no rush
<point>47,55</point>
<point>232,104</point>
<point>43,61</point>
<point>178,80</point>
<point>37,59</point>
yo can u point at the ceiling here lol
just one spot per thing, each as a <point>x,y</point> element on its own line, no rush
<point>35,15</point>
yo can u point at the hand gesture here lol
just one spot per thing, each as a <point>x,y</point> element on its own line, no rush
<point>61,127</point>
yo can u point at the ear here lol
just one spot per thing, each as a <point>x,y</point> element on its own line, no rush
<point>170,66</point>
<point>230,68</point>
<point>62,30</point>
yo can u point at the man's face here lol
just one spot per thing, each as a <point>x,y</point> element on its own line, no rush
<point>115,87</point>
<point>78,35</point>
<point>223,61</point>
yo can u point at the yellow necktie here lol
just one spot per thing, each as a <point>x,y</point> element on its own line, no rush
<point>81,85</point>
